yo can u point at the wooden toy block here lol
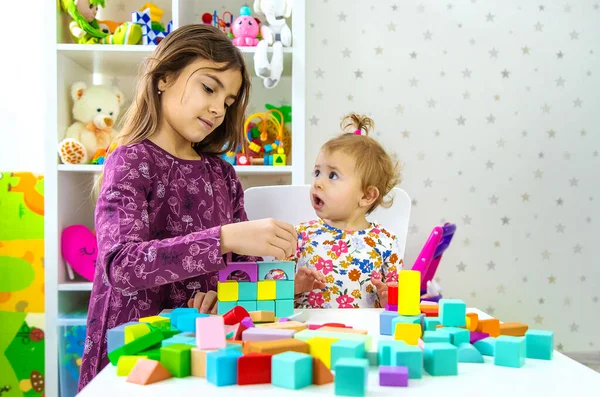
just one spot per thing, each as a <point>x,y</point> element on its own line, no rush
<point>151,354</point>
<point>295,325</point>
<point>250,306</point>
<point>308,334</point>
<point>408,356</point>
<point>510,351</point>
<point>433,337</point>
<point>132,332</point>
<point>409,293</point>
<point>250,268</point>
<point>179,312</point>
<point>409,333</point>
<point>321,347</point>
<point>345,330</point>
<point>160,322</point>
<point>467,353</point>
<point>457,335</point>
<point>430,310</point>
<point>225,307</point>
<point>291,370</point>
<point>266,306</point>
<point>247,291</point>
<point>227,291</point>
<point>257,334</point>
<point>269,269</point>
<point>476,336</point>
<point>351,376</point>
<point>513,329</point>
<point>385,349</point>
<point>210,332</point>
<point>490,326</point>
<point>452,312</point>
<point>262,316</point>
<point>276,346</point>
<point>266,290</point>
<point>486,346</point>
<point>279,159</point>
<point>254,369</point>
<point>284,289</point>
<point>393,376</point>
<point>221,367</point>
<point>146,372</point>
<point>176,359</point>
<point>198,362</point>
<point>540,344</point>
<point>385,322</point>
<point>474,317</point>
<point>321,374</point>
<point>235,315</point>
<point>346,349</point>
<point>393,295</point>
<point>126,364</point>
<point>440,359</point>
<point>116,336</point>
<point>431,323</point>
<point>187,322</point>
<point>284,307</point>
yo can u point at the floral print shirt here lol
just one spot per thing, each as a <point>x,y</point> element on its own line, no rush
<point>348,260</point>
<point>158,222</point>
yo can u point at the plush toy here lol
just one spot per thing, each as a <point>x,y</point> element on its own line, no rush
<point>95,110</point>
<point>80,250</point>
<point>274,31</point>
<point>245,29</point>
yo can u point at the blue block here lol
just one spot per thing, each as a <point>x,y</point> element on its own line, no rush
<point>181,311</point>
<point>510,351</point>
<point>248,305</point>
<point>486,346</point>
<point>265,268</point>
<point>457,335</point>
<point>224,307</point>
<point>441,359</point>
<point>291,370</point>
<point>467,353</point>
<point>435,336</point>
<point>351,376</point>
<point>452,312</point>
<point>284,307</point>
<point>284,289</point>
<point>431,323</point>
<point>347,349</point>
<point>540,344</point>
<point>385,349</point>
<point>116,336</point>
<point>187,322</point>
<point>247,291</point>
<point>221,367</point>
<point>385,322</point>
<point>409,356</point>
<point>268,306</point>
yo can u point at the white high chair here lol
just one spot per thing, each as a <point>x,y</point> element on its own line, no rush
<point>291,204</point>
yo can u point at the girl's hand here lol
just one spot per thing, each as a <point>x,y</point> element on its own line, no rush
<point>382,290</point>
<point>307,280</point>
<point>204,302</point>
<point>263,237</point>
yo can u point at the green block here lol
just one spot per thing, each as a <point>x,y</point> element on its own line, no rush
<point>486,346</point>
<point>307,334</point>
<point>144,342</point>
<point>268,306</point>
<point>467,353</point>
<point>247,291</point>
<point>347,349</point>
<point>265,268</point>
<point>291,370</point>
<point>510,351</point>
<point>540,344</point>
<point>176,359</point>
<point>248,305</point>
<point>224,307</point>
<point>152,353</point>
<point>116,354</point>
<point>457,335</point>
<point>167,333</point>
<point>434,336</point>
<point>409,356</point>
<point>284,289</point>
<point>351,376</point>
<point>284,308</point>
<point>431,323</point>
<point>440,359</point>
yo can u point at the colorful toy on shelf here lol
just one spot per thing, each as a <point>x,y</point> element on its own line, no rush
<point>245,29</point>
<point>80,250</point>
<point>100,156</point>
<point>149,19</point>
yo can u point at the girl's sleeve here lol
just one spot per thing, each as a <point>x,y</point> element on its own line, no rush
<point>130,259</point>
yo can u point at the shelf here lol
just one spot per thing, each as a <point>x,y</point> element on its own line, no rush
<point>79,168</point>
<point>75,286</point>
<point>71,321</point>
<point>240,170</point>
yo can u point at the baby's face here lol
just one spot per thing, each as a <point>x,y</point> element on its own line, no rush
<point>336,190</point>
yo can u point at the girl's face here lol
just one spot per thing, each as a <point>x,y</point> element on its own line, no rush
<point>196,102</point>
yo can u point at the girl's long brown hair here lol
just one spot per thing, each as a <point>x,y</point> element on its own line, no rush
<point>176,51</point>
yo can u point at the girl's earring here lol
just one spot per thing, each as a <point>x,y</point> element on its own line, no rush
<point>159,92</point>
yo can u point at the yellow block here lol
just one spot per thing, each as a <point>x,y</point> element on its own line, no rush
<point>157,321</point>
<point>266,290</point>
<point>409,293</point>
<point>468,323</point>
<point>227,291</point>
<point>132,332</point>
<point>321,348</point>
<point>126,364</point>
<point>409,333</point>
<point>279,159</point>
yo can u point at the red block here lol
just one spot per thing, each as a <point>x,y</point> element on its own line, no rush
<point>393,294</point>
<point>235,315</point>
<point>254,369</point>
<point>336,325</point>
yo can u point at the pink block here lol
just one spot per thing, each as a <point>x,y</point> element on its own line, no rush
<point>391,308</point>
<point>210,333</point>
<point>259,334</point>
<point>314,326</point>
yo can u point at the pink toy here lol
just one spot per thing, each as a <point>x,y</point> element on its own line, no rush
<point>210,333</point>
<point>245,29</point>
<point>80,250</point>
<point>432,252</point>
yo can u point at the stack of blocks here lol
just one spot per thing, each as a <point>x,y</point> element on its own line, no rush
<point>260,293</point>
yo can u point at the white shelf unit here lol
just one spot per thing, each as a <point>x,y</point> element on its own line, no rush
<point>68,197</point>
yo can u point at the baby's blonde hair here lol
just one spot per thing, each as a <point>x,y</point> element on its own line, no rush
<point>374,165</point>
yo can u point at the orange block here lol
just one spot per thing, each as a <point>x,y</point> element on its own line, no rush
<point>321,374</point>
<point>262,316</point>
<point>276,346</point>
<point>147,371</point>
<point>513,329</point>
<point>474,321</point>
<point>489,326</point>
<point>430,310</point>
<point>295,325</point>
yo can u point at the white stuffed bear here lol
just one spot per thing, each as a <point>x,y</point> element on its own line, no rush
<point>95,111</point>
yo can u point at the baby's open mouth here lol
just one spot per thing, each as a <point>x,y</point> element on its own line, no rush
<point>317,202</point>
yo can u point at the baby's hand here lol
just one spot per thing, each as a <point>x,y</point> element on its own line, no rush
<point>307,280</point>
<point>382,290</point>
<point>204,302</point>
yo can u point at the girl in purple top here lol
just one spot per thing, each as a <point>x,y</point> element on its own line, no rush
<point>169,209</point>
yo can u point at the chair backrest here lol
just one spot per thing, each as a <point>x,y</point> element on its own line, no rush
<point>291,203</point>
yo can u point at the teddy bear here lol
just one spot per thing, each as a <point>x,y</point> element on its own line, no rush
<point>95,111</point>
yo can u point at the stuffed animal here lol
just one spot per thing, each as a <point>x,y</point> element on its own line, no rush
<point>95,110</point>
<point>274,31</point>
<point>245,29</point>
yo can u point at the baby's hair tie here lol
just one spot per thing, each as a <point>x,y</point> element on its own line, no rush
<point>358,132</point>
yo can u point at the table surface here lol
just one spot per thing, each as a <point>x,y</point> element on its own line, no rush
<point>560,376</point>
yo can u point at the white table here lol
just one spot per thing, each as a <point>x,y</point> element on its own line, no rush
<point>560,376</point>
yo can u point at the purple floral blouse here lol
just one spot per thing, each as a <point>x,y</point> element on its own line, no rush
<point>158,222</point>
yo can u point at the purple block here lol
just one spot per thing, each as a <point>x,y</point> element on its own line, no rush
<point>391,308</point>
<point>393,375</point>
<point>257,334</point>
<point>477,336</point>
<point>250,268</point>
<point>283,320</point>
<point>247,322</point>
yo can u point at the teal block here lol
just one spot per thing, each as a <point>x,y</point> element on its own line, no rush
<point>452,312</point>
<point>510,351</point>
<point>268,306</point>
<point>540,344</point>
<point>486,346</point>
<point>291,370</point>
<point>373,358</point>
<point>284,289</point>
<point>221,367</point>
<point>284,308</point>
<point>180,311</point>
<point>431,323</point>
<point>247,291</point>
<point>288,267</point>
<point>457,335</point>
<point>234,346</point>
<point>248,305</point>
<point>347,349</point>
<point>351,376</point>
<point>440,359</point>
<point>385,349</point>
<point>467,353</point>
<point>435,336</point>
<point>409,356</point>
<point>187,322</point>
<point>224,307</point>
